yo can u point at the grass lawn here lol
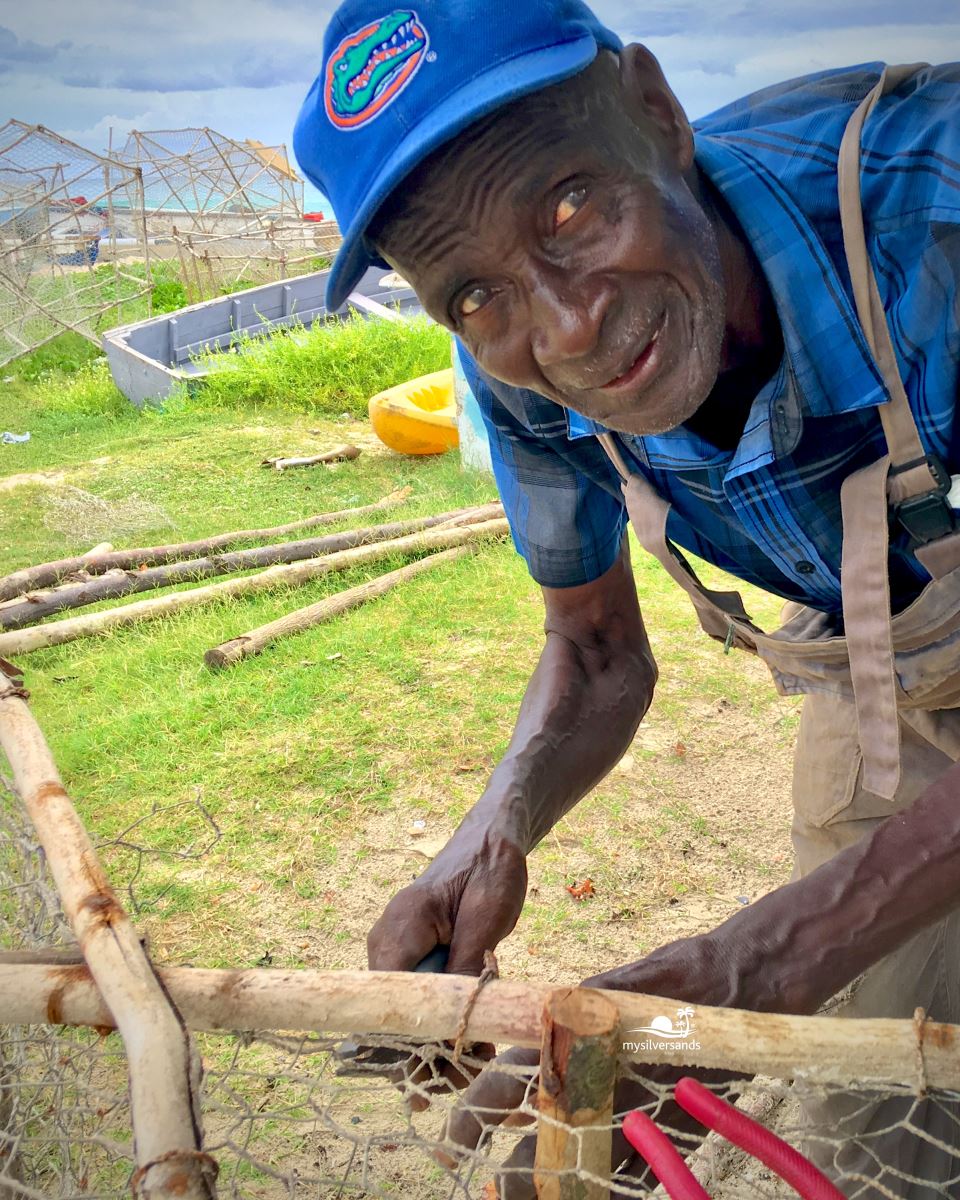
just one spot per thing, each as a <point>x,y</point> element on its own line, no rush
<point>316,759</point>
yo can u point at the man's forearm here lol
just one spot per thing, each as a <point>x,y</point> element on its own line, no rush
<point>796,947</point>
<point>578,716</point>
<point>865,902</point>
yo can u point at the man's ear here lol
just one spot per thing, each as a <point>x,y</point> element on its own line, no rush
<point>649,98</point>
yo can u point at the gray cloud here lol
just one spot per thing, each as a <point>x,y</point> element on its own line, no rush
<point>14,50</point>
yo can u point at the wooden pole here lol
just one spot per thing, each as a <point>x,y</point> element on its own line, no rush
<point>247,644</point>
<point>16,614</point>
<point>339,454</point>
<point>162,1064</point>
<point>22,641</point>
<point>46,574</point>
<point>822,1050</point>
<point>578,1070</point>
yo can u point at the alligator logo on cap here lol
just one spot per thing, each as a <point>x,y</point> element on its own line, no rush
<point>372,66</point>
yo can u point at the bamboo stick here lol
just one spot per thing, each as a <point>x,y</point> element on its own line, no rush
<point>36,606</point>
<point>339,454</point>
<point>49,573</point>
<point>22,641</point>
<point>163,1067</point>
<point>245,645</point>
<point>578,1070</point>
<point>822,1050</point>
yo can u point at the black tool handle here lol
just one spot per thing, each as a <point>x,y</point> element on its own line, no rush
<point>436,961</point>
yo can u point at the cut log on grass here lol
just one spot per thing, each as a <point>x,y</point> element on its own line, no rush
<point>248,644</point>
<point>50,573</point>
<point>34,607</point>
<point>162,1063</point>
<point>340,454</point>
<point>22,641</point>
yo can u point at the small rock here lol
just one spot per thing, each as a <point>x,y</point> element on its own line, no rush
<point>743,899</point>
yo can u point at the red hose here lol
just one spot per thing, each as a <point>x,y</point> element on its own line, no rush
<point>749,1135</point>
<point>665,1162</point>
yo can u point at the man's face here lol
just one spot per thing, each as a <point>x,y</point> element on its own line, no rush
<point>560,240</point>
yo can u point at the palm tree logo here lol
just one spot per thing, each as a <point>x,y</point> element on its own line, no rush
<point>663,1027</point>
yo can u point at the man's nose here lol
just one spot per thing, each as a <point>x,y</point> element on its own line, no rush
<point>565,318</point>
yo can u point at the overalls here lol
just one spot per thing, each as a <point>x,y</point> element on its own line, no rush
<point>881,719</point>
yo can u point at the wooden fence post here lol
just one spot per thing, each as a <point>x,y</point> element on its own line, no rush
<point>578,1069</point>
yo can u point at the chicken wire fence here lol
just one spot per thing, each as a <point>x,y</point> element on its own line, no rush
<point>73,247</point>
<point>230,212</point>
<point>291,1113</point>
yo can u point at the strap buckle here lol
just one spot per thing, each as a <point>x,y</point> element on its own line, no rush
<point>928,516</point>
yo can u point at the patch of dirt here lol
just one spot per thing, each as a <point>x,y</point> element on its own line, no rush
<point>87,517</point>
<point>32,479</point>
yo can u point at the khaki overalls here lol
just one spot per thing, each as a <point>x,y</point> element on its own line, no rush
<point>881,719</point>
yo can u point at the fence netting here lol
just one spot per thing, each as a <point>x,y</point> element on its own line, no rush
<point>294,1114</point>
<point>73,246</point>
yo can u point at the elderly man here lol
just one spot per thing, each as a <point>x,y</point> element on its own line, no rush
<point>753,349</point>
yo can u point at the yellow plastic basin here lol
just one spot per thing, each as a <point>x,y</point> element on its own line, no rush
<point>417,417</point>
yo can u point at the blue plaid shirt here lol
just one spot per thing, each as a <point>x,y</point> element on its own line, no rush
<point>769,510</point>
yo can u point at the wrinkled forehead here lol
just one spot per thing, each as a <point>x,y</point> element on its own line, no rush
<point>505,158</point>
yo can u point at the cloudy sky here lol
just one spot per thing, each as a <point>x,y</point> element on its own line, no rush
<point>243,66</point>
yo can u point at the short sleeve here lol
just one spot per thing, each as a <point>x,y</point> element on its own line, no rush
<point>565,525</point>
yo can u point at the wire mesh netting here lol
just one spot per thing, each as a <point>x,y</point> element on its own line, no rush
<point>319,1114</point>
<point>72,241</point>
<point>202,177</point>
<point>231,210</point>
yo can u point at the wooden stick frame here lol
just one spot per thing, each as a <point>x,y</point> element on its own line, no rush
<point>583,1034</point>
<point>163,1066</point>
<point>831,1051</point>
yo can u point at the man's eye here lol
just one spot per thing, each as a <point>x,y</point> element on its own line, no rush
<point>472,301</point>
<point>569,206</point>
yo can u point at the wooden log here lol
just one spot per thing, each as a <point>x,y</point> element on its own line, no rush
<point>162,1064</point>
<point>578,1070</point>
<point>875,1053</point>
<point>340,454</point>
<point>247,644</point>
<point>47,574</point>
<point>54,956</point>
<point>37,605</point>
<point>22,641</point>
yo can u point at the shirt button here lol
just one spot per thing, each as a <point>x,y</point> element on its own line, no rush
<point>804,567</point>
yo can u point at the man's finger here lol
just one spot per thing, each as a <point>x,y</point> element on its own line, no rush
<point>401,938</point>
<point>515,1181</point>
<point>491,1099</point>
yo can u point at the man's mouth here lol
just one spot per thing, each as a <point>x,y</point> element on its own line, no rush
<point>643,367</point>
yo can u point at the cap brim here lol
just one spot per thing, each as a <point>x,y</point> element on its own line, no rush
<point>474,99</point>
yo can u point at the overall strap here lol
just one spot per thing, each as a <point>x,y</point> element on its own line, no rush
<point>901,477</point>
<point>912,473</point>
<point>716,610</point>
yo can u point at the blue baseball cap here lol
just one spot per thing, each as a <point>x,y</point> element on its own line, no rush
<point>397,83</point>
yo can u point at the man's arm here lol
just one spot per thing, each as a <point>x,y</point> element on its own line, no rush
<point>592,685</point>
<point>797,946</point>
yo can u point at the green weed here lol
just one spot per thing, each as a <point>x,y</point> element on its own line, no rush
<point>330,369</point>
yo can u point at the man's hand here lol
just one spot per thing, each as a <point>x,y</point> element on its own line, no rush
<point>469,899</point>
<point>680,970</point>
<point>593,683</point>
